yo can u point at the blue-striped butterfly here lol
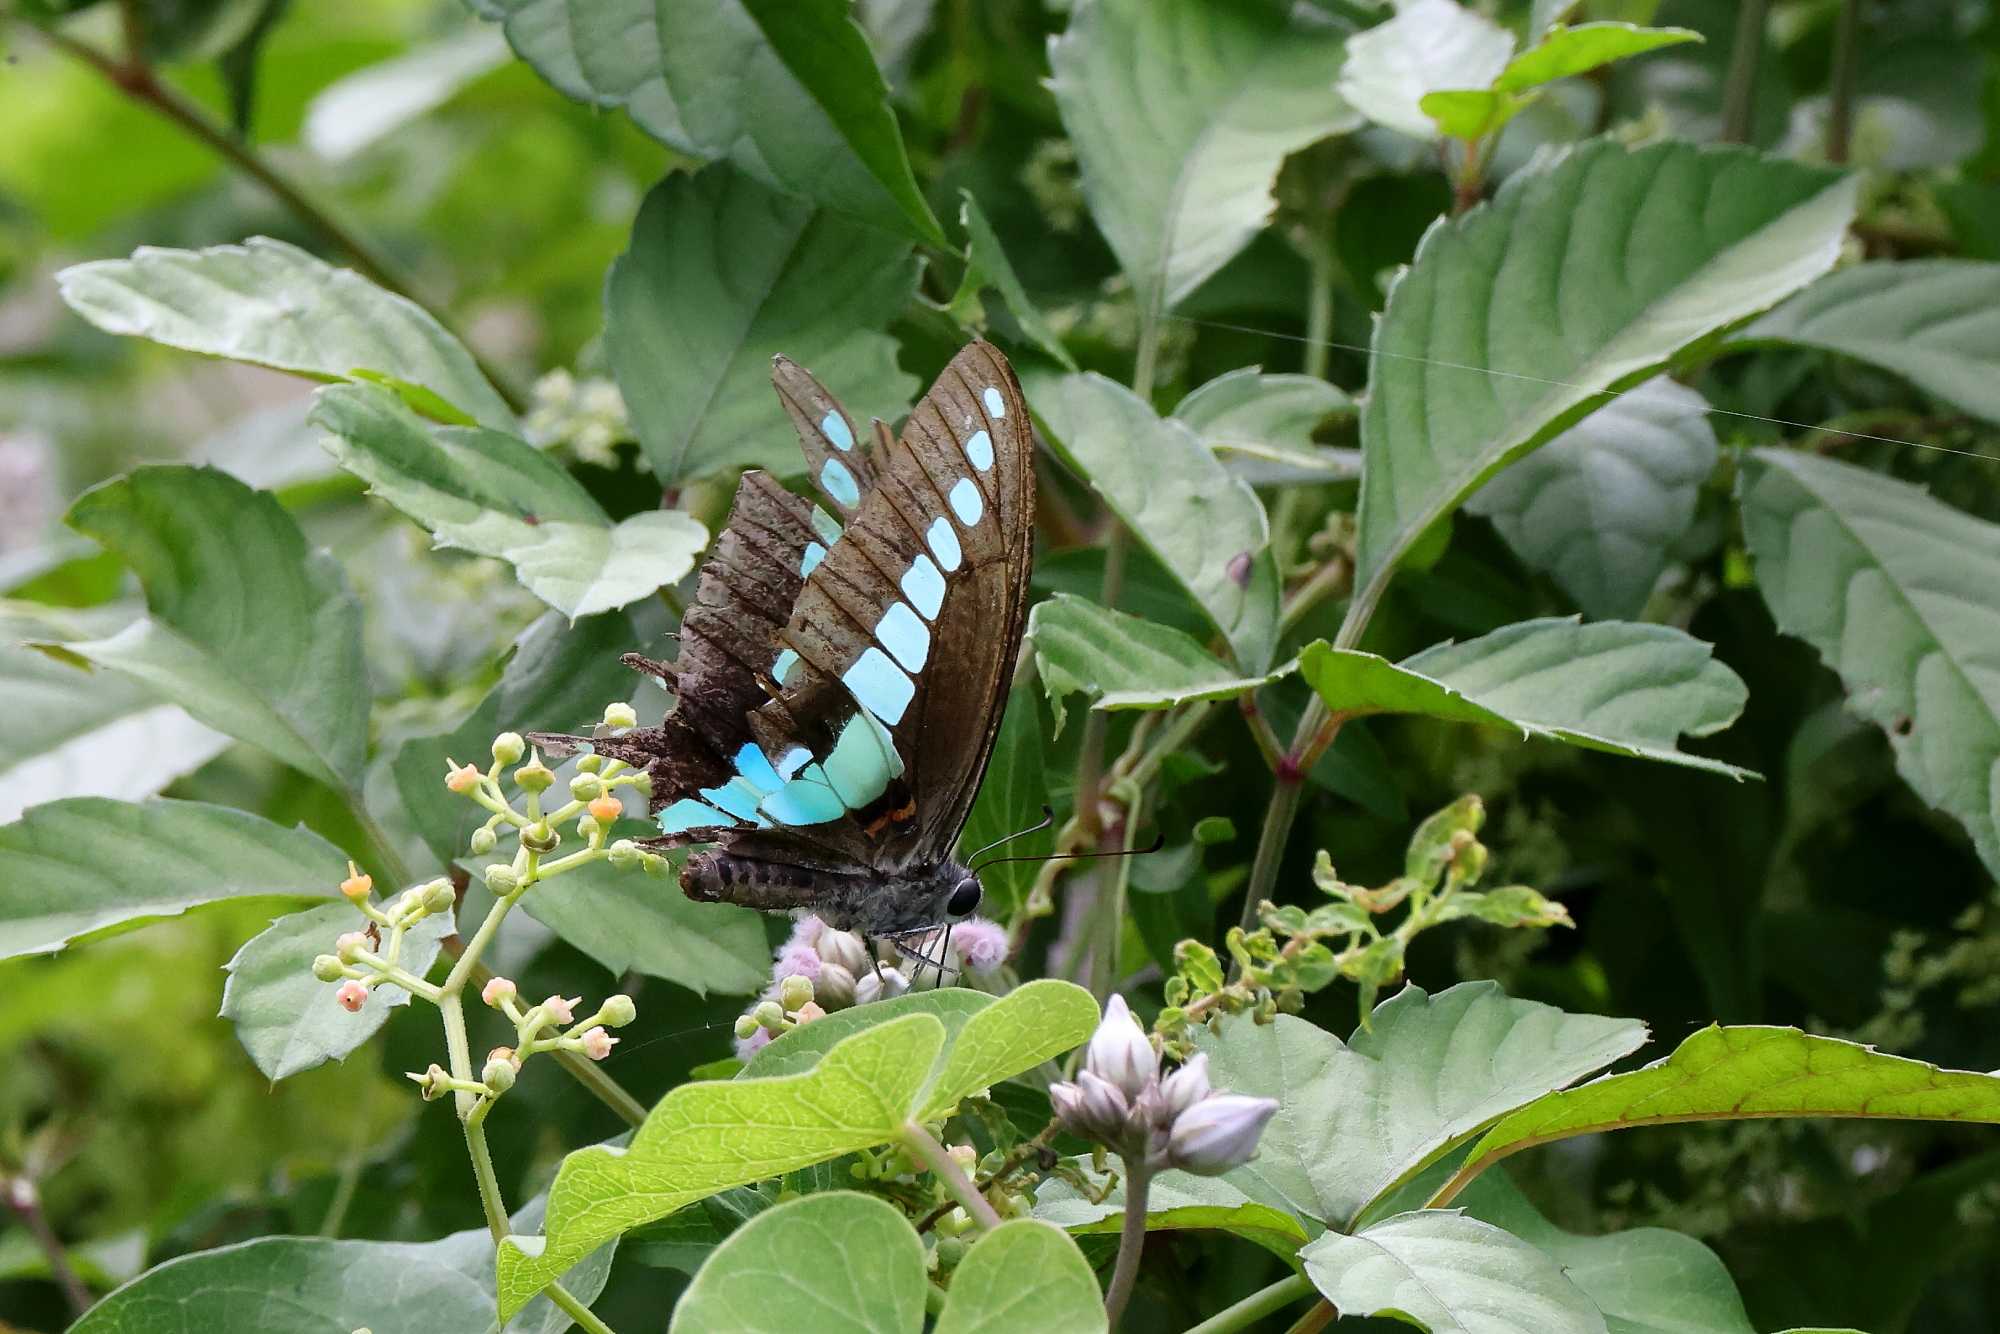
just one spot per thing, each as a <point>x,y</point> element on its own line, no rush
<point>842,672</point>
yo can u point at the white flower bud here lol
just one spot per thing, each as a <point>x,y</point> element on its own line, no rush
<point>618,1010</point>
<point>1186,1086</point>
<point>872,986</point>
<point>509,747</point>
<point>586,787</point>
<point>795,991</point>
<point>620,715</point>
<point>1103,1113</point>
<point>835,988</point>
<point>844,948</point>
<point>1218,1133</point>
<point>1120,1052</point>
<point>500,878</point>
<point>770,1014</point>
<point>498,1075</point>
<point>439,897</point>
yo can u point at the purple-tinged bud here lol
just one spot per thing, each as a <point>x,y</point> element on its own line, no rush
<point>1102,1111</point>
<point>1218,1133</point>
<point>1238,569</point>
<point>750,1046</point>
<point>835,988</point>
<point>1186,1086</point>
<point>1120,1052</point>
<point>981,945</point>
<point>795,960</point>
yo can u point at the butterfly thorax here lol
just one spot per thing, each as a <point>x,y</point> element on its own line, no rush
<point>876,905</point>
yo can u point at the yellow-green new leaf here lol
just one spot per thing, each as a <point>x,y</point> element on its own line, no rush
<point>1023,1277</point>
<point>838,1261</point>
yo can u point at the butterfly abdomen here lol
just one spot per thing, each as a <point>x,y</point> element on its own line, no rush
<point>721,877</point>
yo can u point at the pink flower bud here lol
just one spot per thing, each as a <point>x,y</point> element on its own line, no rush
<point>350,945</point>
<point>560,1011</point>
<point>461,777</point>
<point>808,1012</point>
<point>1092,1109</point>
<point>497,992</point>
<point>796,960</point>
<point>352,995</point>
<point>597,1043</point>
<point>980,944</point>
<point>806,931</point>
<point>1120,1052</point>
<point>1218,1133</point>
<point>1186,1086</point>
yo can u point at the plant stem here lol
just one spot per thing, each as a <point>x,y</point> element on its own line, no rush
<point>1315,1320</point>
<point>1840,114</point>
<point>925,1146</point>
<point>1131,1242</point>
<point>1739,93</point>
<point>136,79</point>
<point>24,1200</point>
<point>1256,1306</point>
<point>343,1193</point>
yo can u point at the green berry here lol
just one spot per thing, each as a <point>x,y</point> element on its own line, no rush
<point>617,1011</point>
<point>508,747</point>
<point>534,776</point>
<point>328,969</point>
<point>500,878</point>
<point>439,897</point>
<point>586,786</point>
<point>482,842</point>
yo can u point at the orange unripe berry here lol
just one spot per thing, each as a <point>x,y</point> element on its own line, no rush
<point>461,777</point>
<point>357,885</point>
<point>606,808</point>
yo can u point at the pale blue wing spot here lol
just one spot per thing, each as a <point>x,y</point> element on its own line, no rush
<point>687,813</point>
<point>835,428</point>
<point>755,766</point>
<point>814,554</point>
<point>966,502</point>
<point>826,526</point>
<point>879,685</point>
<point>585,748</point>
<point>737,797</point>
<point>924,586</point>
<point>944,543</point>
<point>789,762</point>
<point>783,666</point>
<point>996,406</point>
<point>904,635</point>
<point>807,799</point>
<point>838,482</point>
<point>862,763</point>
<point>979,448</point>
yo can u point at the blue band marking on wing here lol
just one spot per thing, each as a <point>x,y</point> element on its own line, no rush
<point>924,586</point>
<point>944,542</point>
<point>814,554</point>
<point>996,406</point>
<point>755,766</point>
<point>979,448</point>
<point>835,428</point>
<point>782,668</point>
<point>687,813</point>
<point>807,799</point>
<point>879,685</point>
<point>862,762</point>
<point>966,502</point>
<point>838,482</point>
<point>789,762</point>
<point>738,798</point>
<point>908,642</point>
<point>826,526</point>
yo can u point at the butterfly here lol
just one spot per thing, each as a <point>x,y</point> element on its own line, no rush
<point>843,668</point>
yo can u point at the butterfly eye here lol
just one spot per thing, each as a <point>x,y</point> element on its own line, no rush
<point>964,898</point>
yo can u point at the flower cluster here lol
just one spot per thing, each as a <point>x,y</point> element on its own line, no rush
<point>588,415</point>
<point>1121,1101</point>
<point>589,1035</point>
<point>363,960</point>
<point>820,969</point>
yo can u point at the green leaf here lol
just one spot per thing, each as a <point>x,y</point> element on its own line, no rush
<point>691,340</point>
<point>1023,1277</point>
<point>1931,321</point>
<point>786,90</point>
<point>1123,662</point>
<point>1176,498</point>
<point>316,1285</point>
<point>1449,1274</point>
<point>77,732</point>
<point>633,922</point>
<point>838,1261</point>
<point>287,1019</point>
<point>1898,593</point>
<point>1565,52</point>
<point>1481,355</point>
<point>275,305</point>
<point>1262,425</point>
<point>288,679</point>
<point>558,678</point>
<point>1429,45</point>
<point>1645,1280</point>
<point>1744,1073</point>
<point>1176,1201</point>
<point>1600,507</point>
<point>364,108</point>
<point>875,1079</point>
<point>1614,686</point>
<point>987,265</point>
<point>490,493</point>
<point>1473,113</point>
<point>1181,112</point>
<point>1428,1074</point>
<point>1011,799</point>
<point>86,867</point>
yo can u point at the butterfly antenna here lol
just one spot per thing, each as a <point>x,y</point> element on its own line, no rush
<point>1159,841</point>
<point>1048,818</point>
